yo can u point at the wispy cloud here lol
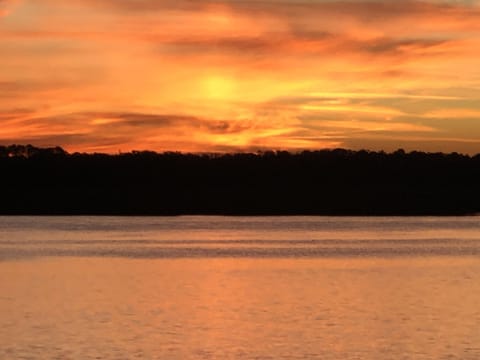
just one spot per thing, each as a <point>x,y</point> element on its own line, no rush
<point>238,75</point>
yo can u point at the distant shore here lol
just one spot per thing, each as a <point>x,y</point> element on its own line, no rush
<point>336,182</point>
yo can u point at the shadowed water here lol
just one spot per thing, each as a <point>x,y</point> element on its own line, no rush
<point>239,288</point>
<point>180,237</point>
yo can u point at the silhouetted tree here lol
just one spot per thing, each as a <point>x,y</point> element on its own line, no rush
<point>335,182</point>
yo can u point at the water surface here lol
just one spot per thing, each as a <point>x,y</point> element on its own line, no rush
<point>239,288</point>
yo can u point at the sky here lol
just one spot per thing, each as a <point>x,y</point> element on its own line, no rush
<point>240,75</point>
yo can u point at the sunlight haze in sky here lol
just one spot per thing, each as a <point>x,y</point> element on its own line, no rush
<point>236,75</point>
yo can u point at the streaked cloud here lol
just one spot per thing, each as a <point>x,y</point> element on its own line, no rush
<point>109,75</point>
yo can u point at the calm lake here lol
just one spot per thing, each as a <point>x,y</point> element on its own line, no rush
<point>239,288</point>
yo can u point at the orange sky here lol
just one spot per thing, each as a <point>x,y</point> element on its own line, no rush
<point>235,75</point>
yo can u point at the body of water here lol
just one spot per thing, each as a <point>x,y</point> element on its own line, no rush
<point>239,288</point>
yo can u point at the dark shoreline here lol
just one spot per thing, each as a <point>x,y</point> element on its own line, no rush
<point>337,182</point>
<point>253,215</point>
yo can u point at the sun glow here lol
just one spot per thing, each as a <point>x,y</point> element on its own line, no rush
<point>233,75</point>
<point>219,87</point>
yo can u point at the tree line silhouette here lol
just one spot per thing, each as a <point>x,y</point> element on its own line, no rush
<point>325,182</point>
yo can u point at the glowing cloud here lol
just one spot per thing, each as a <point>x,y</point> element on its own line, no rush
<point>237,75</point>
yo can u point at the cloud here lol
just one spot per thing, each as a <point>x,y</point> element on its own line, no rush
<point>3,10</point>
<point>378,8</point>
<point>113,131</point>
<point>6,6</point>
<point>453,113</point>
<point>219,74</point>
<point>263,28</point>
<point>126,130</point>
<point>163,121</point>
<point>304,15</point>
<point>6,115</point>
